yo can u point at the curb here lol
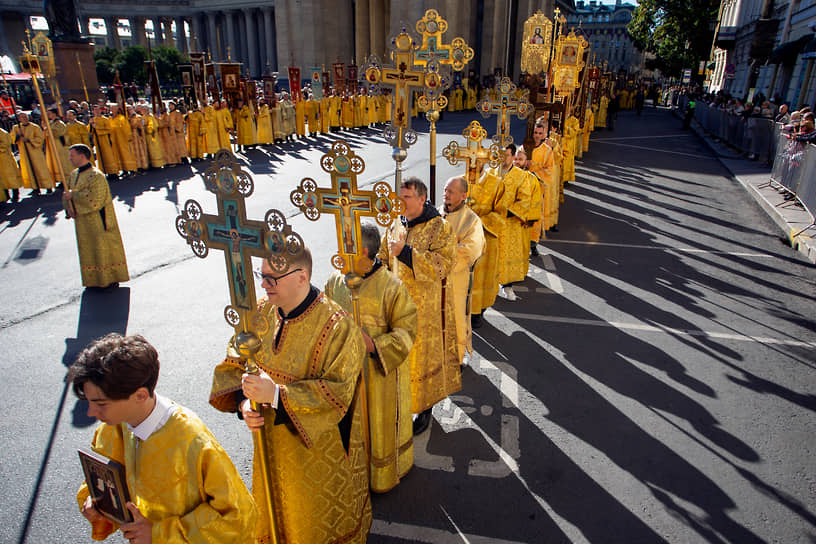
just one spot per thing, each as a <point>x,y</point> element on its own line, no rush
<point>803,243</point>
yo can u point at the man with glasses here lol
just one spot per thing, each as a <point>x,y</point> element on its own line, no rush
<point>310,412</point>
<point>422,254</point>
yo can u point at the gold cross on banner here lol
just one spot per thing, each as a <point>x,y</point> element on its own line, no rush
<point>504,108</point>
<point>348,204</point>
<point>473,153</point>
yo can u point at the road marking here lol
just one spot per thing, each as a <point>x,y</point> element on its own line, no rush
<point>662,151</point>
<point>662,248</point>
<point>419,533</point>
<point>642,327</point>
<point>635,138</point>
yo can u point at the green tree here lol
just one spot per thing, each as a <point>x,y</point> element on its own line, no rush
<point>167,59</point>
<point>130,63</point>
<point>678,32</point>
<point>105,58</point>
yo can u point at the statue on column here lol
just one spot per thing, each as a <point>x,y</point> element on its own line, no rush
<point>62,20</point>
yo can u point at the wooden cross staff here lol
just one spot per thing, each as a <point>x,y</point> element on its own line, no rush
<point>504,108</point>
<point>240,239</point>
<point>473,154</point>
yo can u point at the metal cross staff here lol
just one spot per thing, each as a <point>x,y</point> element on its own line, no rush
<point>431,54</point>
<point>240,239</point>
<point>504,108</point>
<point>473,154</point>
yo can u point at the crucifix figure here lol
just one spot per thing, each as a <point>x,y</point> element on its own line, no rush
<point>347,203</point>
<point>240,239</point>
<point>504,108</point>
<point>431,27</point>
<point>473,154</point>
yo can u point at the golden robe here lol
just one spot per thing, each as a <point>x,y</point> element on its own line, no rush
<point>196,134</point>
<point>211,131</point>
<point>78,133</point>
<point>600,120</point>
<point>10,177</point>
<point>123,143</point>
<point>589,124</point>
<point>389,317</point>
<point>177,134</point>
<point>300,117</point>
<point>59,165</point>
<point>358,107</point>
<point>277,121</point>
<point>572,129</point>
<point>265,135</point>
<point>33,167</point>
<point>245,126</point>
<point>433,361</point>
<point>137,129</point>
<point>313,115</point>
<point>224,125</point>
<point>288,114</point>
<point>154,148</point>
<point>101,253</point>
<point>373,109</point>
<point>334,111</point>
<point>347,112</point>
<point>105,150</point>
<point>558,162</point>
<point>185,483</point>
<point>484,195</point>
<point>320,488</point>
<point>325,114</point>
<point>167,139</point>
<point>542,164</point>
<point>514,241</point>
<point>470,246</point>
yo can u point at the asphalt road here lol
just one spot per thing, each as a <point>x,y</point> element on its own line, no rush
<point>653,383</point>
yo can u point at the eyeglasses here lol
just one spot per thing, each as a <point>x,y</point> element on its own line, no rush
<point>269,278</point>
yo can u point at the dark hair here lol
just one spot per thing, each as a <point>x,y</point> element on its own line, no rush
<point>416,184</point>
<point>370,238</point>
<point>302,259</point>
<point>118,365</point>
<point>82,148</point>
<point>512,148</point>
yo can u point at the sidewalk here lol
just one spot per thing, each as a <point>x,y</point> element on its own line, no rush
<point>790,216</point>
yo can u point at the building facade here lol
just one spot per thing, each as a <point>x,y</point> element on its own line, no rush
<point>605,28</point>
<point>271,35</point>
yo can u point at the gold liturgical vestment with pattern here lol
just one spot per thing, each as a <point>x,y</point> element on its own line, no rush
<point>485,194</point>
<point>101,253</point>
<point>181,479</point>
<point>389,317</point>
<point>514,242</point>
<point>320,488</point>
<point>433,361</point>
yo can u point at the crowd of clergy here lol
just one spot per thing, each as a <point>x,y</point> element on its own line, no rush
<point>339,402</point>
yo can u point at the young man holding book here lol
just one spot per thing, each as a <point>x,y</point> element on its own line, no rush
<point>182,484</point>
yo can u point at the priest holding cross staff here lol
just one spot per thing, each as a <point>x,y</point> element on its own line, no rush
<point>380,303</point>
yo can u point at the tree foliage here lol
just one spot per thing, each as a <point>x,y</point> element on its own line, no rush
<point>666,27</point>
<point>129,62</point>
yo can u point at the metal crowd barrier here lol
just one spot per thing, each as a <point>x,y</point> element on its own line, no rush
<point>755,135</point>
<point>794,169</point>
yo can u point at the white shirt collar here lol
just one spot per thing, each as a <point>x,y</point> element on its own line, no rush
<point>158,417</point>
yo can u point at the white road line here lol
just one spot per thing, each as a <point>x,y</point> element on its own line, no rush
<point>418,533</point>
<point>635,138</point>
<point>661,150</point>
<point>661,248</point>
<point>641,327</point>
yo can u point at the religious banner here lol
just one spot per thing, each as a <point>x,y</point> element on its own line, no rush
<point>230,80</point>
<point>294,84</point>
<point>536,46</point>
<point>339,69</point>
<point>568,62</point>
<point>269,89</point>
<point>187,90</point>
<point>155,88</point>
<point>317,83</point>
<point>212,82</point>
<point>351,79</point>
<point>593,83</point>
<point>118,93</point>
<point>326,82</point>
<point>44,49</point>
<point>198,61</point>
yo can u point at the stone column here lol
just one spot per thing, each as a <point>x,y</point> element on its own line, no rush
<point>378,28</point>
<point>137,31</point>
<point>167,24</point>
<point>213,37</point>
<point>229,22</point>
<point>181,36</point>
<point>269,39</point>
<point>111,25</point>
<point>362,31</point>
<point>252,42</point>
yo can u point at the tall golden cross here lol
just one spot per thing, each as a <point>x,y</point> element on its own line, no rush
<point>404,81</point>
<point>504,108</point>
<point>473,153</point>
<point>240,239</point>
<point>348,204</point>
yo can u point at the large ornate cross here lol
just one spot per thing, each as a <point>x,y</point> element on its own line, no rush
<point>504,108</point>
<point>404,81</point>
<point>348,204</point>
<point>473,153</point>
<point>431,27</point>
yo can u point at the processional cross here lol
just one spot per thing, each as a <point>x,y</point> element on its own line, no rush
<point>240,239</point>
<point>473,153</point>
<point>348,204</point>
<point>504,108</point>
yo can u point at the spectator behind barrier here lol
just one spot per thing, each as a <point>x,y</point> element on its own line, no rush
<point>806,133</point>
<point>783,116</point>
